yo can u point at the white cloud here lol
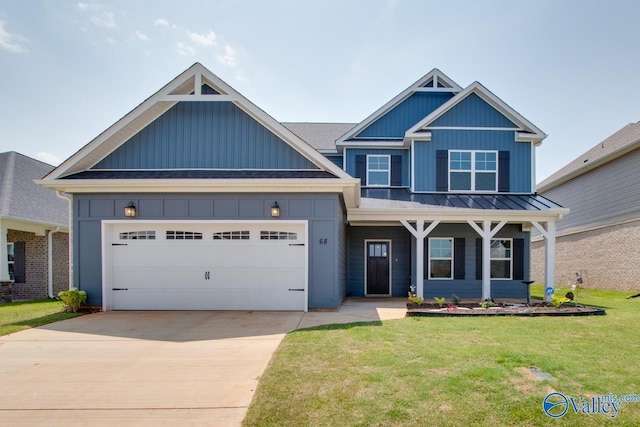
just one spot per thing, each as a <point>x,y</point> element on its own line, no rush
<point>203,40</point>
<point>229,58</point>
<point>49,158</point>
<point>105,19</point>
<point>139,35</point>
<point>83,6</point>
<point>161,22</point>
<point>8,41</point>
<point>185,49</point>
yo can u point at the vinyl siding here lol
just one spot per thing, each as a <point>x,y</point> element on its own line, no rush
<point>603,196</point>
<point>196,135</point>
<point>406,114</point>
<point>473,111</point>
<point>441,139</point>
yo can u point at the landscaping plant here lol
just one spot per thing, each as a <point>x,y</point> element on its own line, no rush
<point>72,299</point>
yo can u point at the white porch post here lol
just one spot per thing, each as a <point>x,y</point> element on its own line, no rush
<point>486,232</point>
<point>420,233</point>
<point>549,235</point>
<point>4,264</point>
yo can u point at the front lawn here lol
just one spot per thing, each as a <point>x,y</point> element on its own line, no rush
<point>454,371</point>
<point>16,316</point>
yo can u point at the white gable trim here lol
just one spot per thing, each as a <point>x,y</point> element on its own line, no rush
<point>418,86</point>
<point>528,131</point>
<point>180,89</point>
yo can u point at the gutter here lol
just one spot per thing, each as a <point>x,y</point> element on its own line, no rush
<point>69,200</point>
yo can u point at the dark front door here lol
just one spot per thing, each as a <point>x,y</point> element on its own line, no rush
<point>378,268</point>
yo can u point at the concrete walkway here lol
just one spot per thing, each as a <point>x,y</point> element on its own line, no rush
<point>152,368</point>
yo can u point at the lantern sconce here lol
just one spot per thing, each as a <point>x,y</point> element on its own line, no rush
<point>130,210</point>
<point>275,210</point>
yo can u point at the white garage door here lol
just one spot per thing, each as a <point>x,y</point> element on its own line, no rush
<point>206,266</point>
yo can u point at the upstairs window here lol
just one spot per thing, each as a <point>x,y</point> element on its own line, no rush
<point>378,170</point>
<point>473,171</point>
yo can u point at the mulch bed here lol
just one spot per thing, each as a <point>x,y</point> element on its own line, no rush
<point>467,309</point>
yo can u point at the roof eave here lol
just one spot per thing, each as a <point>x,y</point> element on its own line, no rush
<point>454,215</point>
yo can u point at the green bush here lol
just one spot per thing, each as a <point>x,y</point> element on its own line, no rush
<point>72,299</point>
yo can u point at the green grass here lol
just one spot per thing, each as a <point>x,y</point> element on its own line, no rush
<point>16,316</point>
<point>453,371</point>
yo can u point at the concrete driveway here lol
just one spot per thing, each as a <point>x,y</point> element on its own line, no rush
<point>151,368</point>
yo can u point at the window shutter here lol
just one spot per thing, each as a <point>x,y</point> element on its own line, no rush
<point>518,259</point>
<point>478,259</point>
<point>425,261</point>
<point>458,258</point>
<point>361,168</point>
<point>396,171</point>
<point>503,171</point>
<point>442,170</point>
<point>19,262</point>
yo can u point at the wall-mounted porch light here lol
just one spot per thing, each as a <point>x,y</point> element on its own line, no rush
<point>130,210</point>
<point>275,210</point>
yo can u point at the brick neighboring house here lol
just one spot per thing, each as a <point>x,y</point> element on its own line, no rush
<point>599,239</point>
<point>34,232</point>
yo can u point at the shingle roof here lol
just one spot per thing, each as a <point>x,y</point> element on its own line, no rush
<point>198,174</point>
<point>625,138</point>
<point>401,198</point>
<point>321,136</point>
<point>21,199</point>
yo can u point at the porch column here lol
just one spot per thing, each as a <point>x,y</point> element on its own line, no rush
<point>487,233</point>
<point>4,261</point>
<point>420,233</point>
<point>549,235</point>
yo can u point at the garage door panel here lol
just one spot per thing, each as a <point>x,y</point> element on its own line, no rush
<point>210,273</point>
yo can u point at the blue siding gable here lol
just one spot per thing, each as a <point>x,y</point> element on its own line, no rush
<point>406,114</point>
<point>205,135</point>
<point>473,111</point>
<point>444,139</point>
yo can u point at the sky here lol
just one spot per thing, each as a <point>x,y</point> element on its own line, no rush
<point>71,69</point>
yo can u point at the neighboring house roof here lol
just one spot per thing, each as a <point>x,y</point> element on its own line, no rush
<point>21,199</point>
<point>618,144</point>
<point>321,136</point>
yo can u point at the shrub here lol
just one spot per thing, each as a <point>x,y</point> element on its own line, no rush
<point>72,299</point>
<point>440,301</point>
<point>414,299</point>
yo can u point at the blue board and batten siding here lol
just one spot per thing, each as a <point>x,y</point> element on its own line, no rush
<point>395,123</point>
<point>324,214</point>
<point>473,111</point>
<point>447,139</point>
<point>197,135</point>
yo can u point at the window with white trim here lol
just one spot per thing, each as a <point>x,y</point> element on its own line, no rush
<point>183,235</point>
<point>441,258</point>
<point>231,235</point>
<point>10,260</point>
<point>501,259</point>
<point>378,170</point>
<point>138,235</point>
<point>473,171</point>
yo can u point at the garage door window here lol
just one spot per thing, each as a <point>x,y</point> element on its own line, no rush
<point>138,235</point>
<point>278,235</point>
<point>184,235</point>
<point>231,235</point>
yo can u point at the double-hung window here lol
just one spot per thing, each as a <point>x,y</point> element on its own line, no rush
<point>10,260</point>
<point>441,258</point>
<point>501,259</point>
<point>378,170</point>
<point>473,171</point>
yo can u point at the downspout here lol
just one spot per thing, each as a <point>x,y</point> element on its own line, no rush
<point>69,199</point>
<point>50,260</point>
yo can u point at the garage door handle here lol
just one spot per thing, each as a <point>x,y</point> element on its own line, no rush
<point>296,290</point>
<point>119,289</point>
<point>118,244</point>
<point>296,244</point>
